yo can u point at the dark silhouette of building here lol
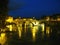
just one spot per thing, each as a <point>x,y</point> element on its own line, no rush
<point>3,11</point>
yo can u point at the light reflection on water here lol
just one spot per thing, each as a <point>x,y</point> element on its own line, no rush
<point>42,35</point>
<point>19,31</point>
<point>3,38</point>
<point>36,32</point>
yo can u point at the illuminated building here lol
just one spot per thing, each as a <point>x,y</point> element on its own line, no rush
<point>9,19</point>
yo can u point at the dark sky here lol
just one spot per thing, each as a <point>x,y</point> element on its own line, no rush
<point>30,8</point>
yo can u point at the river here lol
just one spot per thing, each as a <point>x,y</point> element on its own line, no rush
<point>29,36</point>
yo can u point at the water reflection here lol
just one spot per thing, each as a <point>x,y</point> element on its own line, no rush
<point>47,31</point>
<point>42,35</point>
<point>3,38</point>
<point>20,31</point>
<point>36,33</point>
<point>10,27</point>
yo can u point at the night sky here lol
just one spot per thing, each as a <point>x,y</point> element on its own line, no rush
<point>36,8</point>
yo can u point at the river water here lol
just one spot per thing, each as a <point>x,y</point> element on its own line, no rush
<point>29,36</point>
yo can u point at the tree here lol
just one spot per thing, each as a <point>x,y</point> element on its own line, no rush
<point>3,11</point>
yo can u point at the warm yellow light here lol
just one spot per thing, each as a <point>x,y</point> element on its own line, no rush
<point>35,23</point>
<point>27,22</point>
<point>25,28</point>
<point>58,19</point>
<point>47,30</point>
<point>31,19</point>
<point>19,26</point>
<point>10,19</point>
<point>43,26</point>
<point>20,31</point>
<point>24,19</point>
<point>2,38</point>
<point>33,34</point>
<point>47,19</point>
<point>14,27</point>
<point>34,31</point>
<point>10,27</point>
<point>31,25</point>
